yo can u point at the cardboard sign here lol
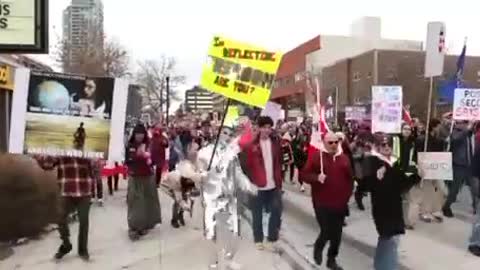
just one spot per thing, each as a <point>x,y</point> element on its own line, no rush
<point>274,111</point>
<point>240,71</point>
<point>386,109</point>
<point>355,113</point>
<point>436,165</point>
<point>466,104</point>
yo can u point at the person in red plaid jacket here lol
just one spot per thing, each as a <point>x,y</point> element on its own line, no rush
<point>75,179</point>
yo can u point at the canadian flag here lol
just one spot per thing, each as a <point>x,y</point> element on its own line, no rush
<point>320,126</point>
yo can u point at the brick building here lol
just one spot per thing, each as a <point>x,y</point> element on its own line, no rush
<point>354,77</point>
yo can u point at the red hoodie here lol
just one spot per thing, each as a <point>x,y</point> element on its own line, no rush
<point>335,192</point>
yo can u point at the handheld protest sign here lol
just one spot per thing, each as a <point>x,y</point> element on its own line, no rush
<point>240,71</point>
<point>436,165</point>
<point>68,115</point>
<point>466,104</point>
<point>387,109</point>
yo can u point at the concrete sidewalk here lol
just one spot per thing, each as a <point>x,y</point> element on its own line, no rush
<point>163,248</point>
<point>429,246</point>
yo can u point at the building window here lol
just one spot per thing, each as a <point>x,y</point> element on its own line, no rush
<point>369,75</point>
<point>356,76</point>
<point>299,76</point>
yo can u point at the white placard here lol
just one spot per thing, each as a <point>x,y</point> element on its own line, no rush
<point>273,110</point>
<point>435,49</point>
<point>466,104</point>
<point>387,109</point>
<point>436,165</point>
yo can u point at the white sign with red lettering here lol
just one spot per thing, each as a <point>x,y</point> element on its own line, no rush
<point>466,104</point>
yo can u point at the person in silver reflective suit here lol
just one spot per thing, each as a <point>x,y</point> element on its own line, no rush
<point>220,192</point>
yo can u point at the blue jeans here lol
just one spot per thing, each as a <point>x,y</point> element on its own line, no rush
<point>475,238</point>
<point>386,254</point>
<point>271,200</point>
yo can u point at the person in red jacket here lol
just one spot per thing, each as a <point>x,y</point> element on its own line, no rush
<point>158,149</point>
<point>264,169</point>
<point>331,179</point>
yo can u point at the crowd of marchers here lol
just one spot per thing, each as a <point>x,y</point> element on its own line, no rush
<point>351,162</point>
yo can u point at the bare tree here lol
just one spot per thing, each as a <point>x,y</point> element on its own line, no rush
<point>152,75</point>
<point>95,56</point>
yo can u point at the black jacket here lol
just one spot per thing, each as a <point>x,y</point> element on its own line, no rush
<point>386,195</point>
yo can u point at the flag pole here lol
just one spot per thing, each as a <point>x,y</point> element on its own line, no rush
<point>429,110</point>
<point>319,106</point>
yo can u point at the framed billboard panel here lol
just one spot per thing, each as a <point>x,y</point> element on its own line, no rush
<point>23,26</point>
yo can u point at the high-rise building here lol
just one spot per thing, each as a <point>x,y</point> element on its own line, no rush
<point>83,26</point>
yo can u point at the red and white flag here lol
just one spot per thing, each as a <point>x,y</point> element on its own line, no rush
<point>319,122</point>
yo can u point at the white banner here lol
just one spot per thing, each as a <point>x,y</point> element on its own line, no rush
<point>435,49</point>
<point>436,165</point>
<point>387,109</point>
<point>466,104</point>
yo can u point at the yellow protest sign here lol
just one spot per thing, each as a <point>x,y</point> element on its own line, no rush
<point>240,71</point>
<point>231,117</point>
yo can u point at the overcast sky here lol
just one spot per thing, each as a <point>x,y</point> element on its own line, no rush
<point>183,28</point>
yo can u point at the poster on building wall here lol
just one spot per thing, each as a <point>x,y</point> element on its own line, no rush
<point>70,115</point>
<point>6,77</point>
<point>387,109</point>
<point>240,71</point>
<point>356,113</point>
<point>466,104</point>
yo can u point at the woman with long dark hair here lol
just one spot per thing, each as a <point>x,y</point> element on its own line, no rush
<point>142,197</point>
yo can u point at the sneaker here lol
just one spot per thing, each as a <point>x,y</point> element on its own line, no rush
<point>447,211</point>
<point>318,257</point>
<point>175,224</point>
<point>270,246</point>
<point>133,235</point>
<point>302,188</point>
<point>332,264</point>
<point>426,218</point>
<point>359,201</point>
<point>259,246</point>
<point>63,250</point>
<point>100,202</point>
<point>475,250</point>
<point>438,218</point>
<point>84,256</point>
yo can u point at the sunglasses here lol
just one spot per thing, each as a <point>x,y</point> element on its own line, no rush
<point>385,145</point>
<point>332,142</point>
